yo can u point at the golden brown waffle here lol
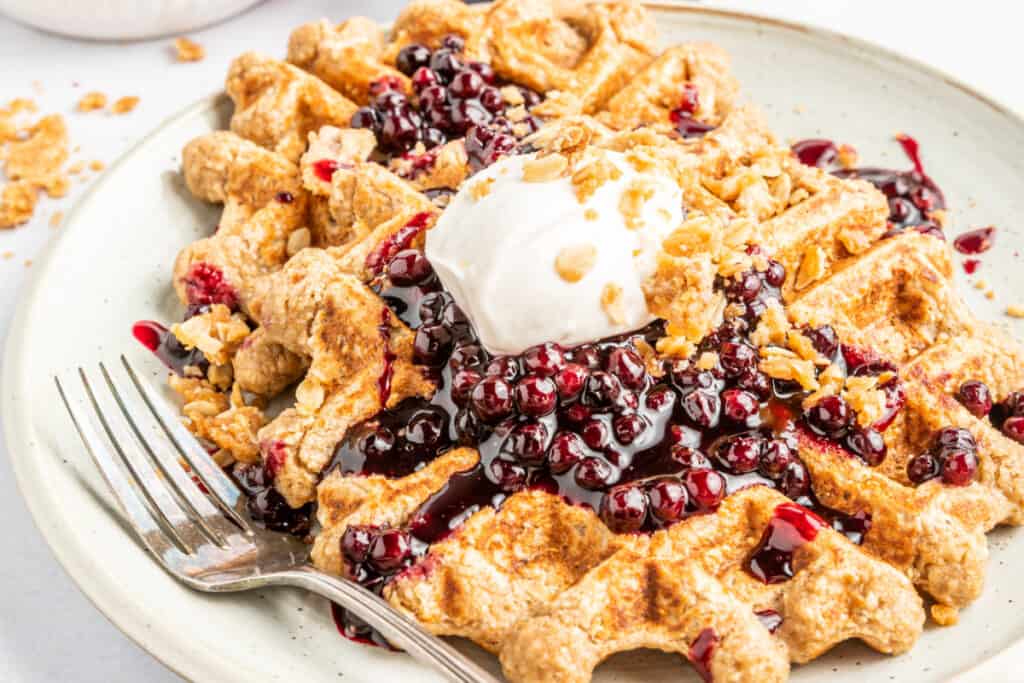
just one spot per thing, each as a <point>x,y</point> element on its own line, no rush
<point>277,105</point>
<point>548,586</point>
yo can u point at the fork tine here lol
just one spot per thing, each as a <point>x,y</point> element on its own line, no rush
<point>223,490</point>
<point>74,394</point>
<point>130,449</point>
<point>162,450</point>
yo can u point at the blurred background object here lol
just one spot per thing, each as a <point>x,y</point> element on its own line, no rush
<point>121,19</point>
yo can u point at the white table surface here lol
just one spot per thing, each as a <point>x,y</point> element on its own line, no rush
<point>48,630</point>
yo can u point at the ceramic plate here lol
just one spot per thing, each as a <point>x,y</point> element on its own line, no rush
<point>111,266</point>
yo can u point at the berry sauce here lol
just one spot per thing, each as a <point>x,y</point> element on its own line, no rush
<point>975,242</point>
<point>682,117</point>
<point>168,349</point>
<point>791,527</point>
<point>912,195</point>
<point>265,505</point>
<point>325,169</point>
<point>452,98</point>
<point>643,442</point>
<point>1006,415</point>
<point>702,649</point>
<point>770,619</point>
<point>382,254</point>
<point>384,381</point>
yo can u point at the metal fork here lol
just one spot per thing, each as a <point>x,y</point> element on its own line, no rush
<point>206,541</point>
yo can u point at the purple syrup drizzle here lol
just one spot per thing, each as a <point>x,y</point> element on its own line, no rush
<point>168,349</point>
<point>912,195</point>
<point>791,527</point>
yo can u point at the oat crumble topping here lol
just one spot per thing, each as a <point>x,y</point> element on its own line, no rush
<point>611,302</point>
<point>481,188</point>
<point>631,204</point>
<point>545,168</point>
<point>574,262</point>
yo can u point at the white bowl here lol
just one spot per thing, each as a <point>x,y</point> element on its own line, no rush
<point>121,19</point>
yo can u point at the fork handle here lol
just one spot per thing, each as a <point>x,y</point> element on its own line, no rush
<point>392,624</point>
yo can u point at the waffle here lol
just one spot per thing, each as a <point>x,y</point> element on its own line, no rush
<point>839,303</point>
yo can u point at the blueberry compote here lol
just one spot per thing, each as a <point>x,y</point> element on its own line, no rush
<point>912,195</point>
<point>170,351</point>
<point>682,117</point>
<point>790,527</point>
<point>1006,415</point>
<point>265,505</point>
<point>702,649</point>
<point>643,442</point>
<point>452,98</point>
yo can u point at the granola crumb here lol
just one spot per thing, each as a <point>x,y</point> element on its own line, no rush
<point>847,156</point>
<point>590,214</point>
<point>76,168</point>
<point>513,96</point>
<point>805,348</point>
<point>780,363</point>
<point>28,263</point>
<point>865,398</point>
<point>17,203</point>
<point>188,50</point>
<point>299,240</point>
<point>516,114</point>
<point>97,166</point>
<point>573,263</point>
<point>544,169</point>
<point>33,158</point>
<point>588,179</point>
<point>1015,311</point>
<point>7,255</point>
<point>707,360</point>
<point>640,160</point>
<point>481,189</point>
<point>611,302</point>
<point>56,219</point>
<point>812,267</point>
<point>944,615</point>
<point>124,105</point>
<point>631,204</point>
<point>92,101</point>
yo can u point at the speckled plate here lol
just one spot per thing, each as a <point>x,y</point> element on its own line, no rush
<point>112,263</point>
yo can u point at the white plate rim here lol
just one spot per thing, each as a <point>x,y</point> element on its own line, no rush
<point>17,436</point>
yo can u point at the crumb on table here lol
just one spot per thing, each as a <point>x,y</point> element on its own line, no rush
<point>124,105</point>
<point>188,50</point>
<point>92,101</point>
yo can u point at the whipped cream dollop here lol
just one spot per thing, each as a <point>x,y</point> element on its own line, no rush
<point>530,262</point>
